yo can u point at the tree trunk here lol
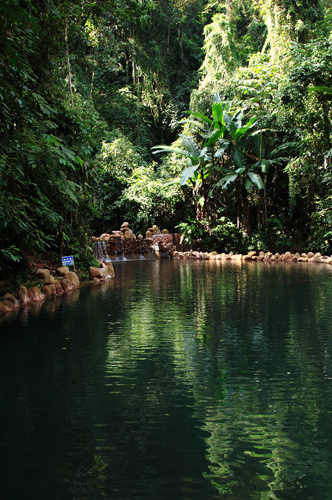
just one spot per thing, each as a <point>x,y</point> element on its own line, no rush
<point>68,64</point>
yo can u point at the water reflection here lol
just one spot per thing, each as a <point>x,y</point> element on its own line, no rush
<point>183,380</point>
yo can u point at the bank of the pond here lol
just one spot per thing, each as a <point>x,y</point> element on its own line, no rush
<point>254,257</point>
<point>50,283</point>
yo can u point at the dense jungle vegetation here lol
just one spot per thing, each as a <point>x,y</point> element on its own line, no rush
<point>203,116</point>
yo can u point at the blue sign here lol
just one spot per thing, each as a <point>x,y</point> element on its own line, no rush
<point>68,261</point>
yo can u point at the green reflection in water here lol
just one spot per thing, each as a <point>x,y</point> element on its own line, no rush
<point>183,380</point>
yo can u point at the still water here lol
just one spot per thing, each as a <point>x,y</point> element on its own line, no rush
<point>175,381</point>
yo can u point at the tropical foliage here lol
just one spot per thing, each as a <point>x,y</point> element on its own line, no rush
<point>87,91</point>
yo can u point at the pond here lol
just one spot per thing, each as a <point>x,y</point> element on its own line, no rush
<point>177,380</point>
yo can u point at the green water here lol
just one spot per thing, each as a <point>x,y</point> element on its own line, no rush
<point>175,381</point>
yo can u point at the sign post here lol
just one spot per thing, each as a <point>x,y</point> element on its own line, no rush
<point>68,261</point>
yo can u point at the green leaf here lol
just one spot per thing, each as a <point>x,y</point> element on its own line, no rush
<point>248,184</point>
<point>190,146</point>
<point>213,139</point>
<point>265,166</point>
<point>200,115</point>
<point>221,150</point>
<point>187,173</point>
<point>169,149</point>
<point>238,158</point>
<point>256,179</point>
<point>325,90</point>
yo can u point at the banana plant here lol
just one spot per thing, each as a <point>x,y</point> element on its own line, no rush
<point>221,138</point>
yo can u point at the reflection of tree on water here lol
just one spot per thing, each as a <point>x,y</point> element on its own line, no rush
<point>245,350</point>
<point>236,340</point>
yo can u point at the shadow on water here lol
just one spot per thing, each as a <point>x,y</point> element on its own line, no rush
<point>182,380</point>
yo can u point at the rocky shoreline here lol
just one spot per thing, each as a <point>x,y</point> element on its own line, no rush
<point>61,281</point>
<point>51,286</point>
<point>254,257</point>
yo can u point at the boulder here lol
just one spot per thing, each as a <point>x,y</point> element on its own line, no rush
<point>310,255</point>
<point>48,290</point>
<point>104,235</point>
<point>110,269</point>
<point>58,288</point>
<point>35,294</point>
<point>247,257</point>
<point>253,252</point>
<point>125,224</point>
<point>317,256</point>
<point>73,279</point>
<point>49,280</point>
<point>9,305</point>
<point>13,299</point>
<point>65,285</point>
<point>4,308</point>
<point>42,273</point>
<point>148,234</point>
<point>61,271</point>
<point>96,272</point>
<point>22,295</point>
<point>287,256</point>
<point>128,234</point>
<point>165,231</point>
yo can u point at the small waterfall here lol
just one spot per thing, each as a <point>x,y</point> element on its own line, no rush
<point>100,251</point>
<point>123,249</point>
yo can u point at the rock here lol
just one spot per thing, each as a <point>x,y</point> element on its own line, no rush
<point>317,256</point>
<point>9,305</point>
<point>103,236</point>
<point>35,294</point>
<point>61,271</point>
<point>287,256</point>
<point>22,295</point>
<point>148,234</point>
<point>73,279</point>
<point>277,255</point>
<point>96,272</point>
<point>260,258</point>
<point>125,224</point>
<point>4,308</point>
<point>49,280</point>
<point>297,255</point>
<point>42,273</point>
<point>66,286</point>
<point>165,231</point>
<point>253,252</point>
<point>13,299</point>
<point>310,255</point>
<point>304,255</point>
<point>58,288</point>
<point>247,257</point>
<point>128,234</point>
<point>110,269</point>
<point>48,290</point>
<point>140,237</point>
<point>268,255</point>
